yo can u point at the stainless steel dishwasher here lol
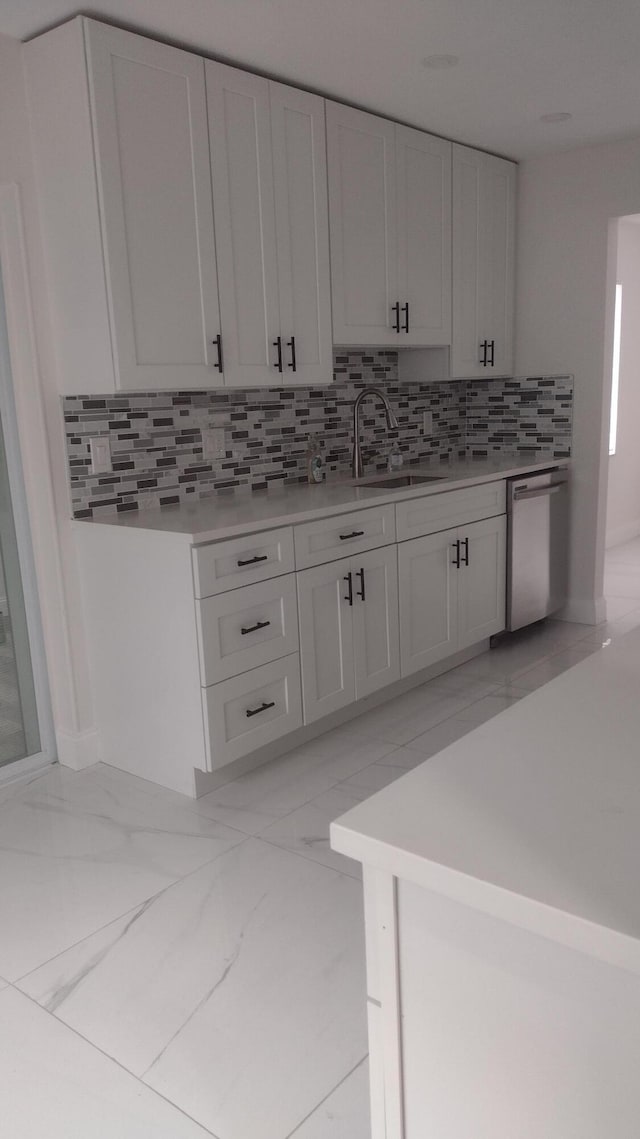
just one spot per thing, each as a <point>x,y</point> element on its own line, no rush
<point>537,546</point>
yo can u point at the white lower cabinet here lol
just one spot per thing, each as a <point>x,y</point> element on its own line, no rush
<point>482,581</point>
<point>349,634</point>
<point>248,711</point>
<point>428,600</point>
<point>451,591</point>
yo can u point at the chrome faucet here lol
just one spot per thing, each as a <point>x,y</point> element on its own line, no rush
<point>392,423</point>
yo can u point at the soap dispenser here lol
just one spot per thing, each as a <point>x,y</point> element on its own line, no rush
<point>395,460</point>
<point>315,461</point>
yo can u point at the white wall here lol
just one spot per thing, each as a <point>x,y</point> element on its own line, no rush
<point>566,261</point>
<point>41,433</point>
<point>623,498</point>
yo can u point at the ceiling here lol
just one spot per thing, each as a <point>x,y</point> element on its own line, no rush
<point>518,59</point>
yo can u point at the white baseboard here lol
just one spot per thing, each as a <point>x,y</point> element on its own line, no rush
<point>622,534</point>
<point>78,750</point>
<point>584,612</point>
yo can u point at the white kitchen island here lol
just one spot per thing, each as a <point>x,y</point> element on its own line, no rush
<point>502,906</point>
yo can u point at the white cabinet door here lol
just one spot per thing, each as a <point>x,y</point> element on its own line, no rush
<point>152,156</point>
<point>498,208</point>
<point>423,179</point>
<point>484,191</point>
<point>427,579</point>
<point>375,620</point>
<point>302,233</point>
<point>481,580</point>
<point>362,219</point>
<point>326,638</point>
<point>242,176</point>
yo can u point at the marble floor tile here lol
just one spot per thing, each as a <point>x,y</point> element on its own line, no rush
<point>371,779</point>
<point>628,553</point>
<point>541,674</point>
<point>53,1084</point>
<point>611,630</point>
<point>618,607</point>
<point>487,708</point>
<point>256,800</point>
<point>406,717</point>
<point>238,993</point>
<point>344,1114</point>
<point>78,849</point>
<point>436,739</point>
<point>622,581</point>
<point>306,831</point>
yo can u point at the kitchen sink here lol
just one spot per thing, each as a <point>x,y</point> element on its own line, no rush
<point>395,481</point>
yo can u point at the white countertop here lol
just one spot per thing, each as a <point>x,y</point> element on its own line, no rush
<point>209,519</point>
<point>533,817</point>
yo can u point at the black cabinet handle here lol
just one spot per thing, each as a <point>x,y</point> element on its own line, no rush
<point>465,543</point>
<point>292,345</point>
<point>360,574</point>
<point>484,345</point>
<point>456,563</point>
<point>254,628</point>
<point>396,309</point>
<point>251,561</point>
<point>277,344</point>
<point>263,707</point>
<point>406,317</point>
<point>218,344</point>
<point>353,534</point>
<point>349,581</point>
<point>493,348</point>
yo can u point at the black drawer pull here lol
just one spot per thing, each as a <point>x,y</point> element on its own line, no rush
<point>292,345</point>
<point>251,561</point>
<point>396,309</point>
<point>218,344</point>
<point>349,581</point>
<point>406,316</point>
<point>465,543</point>
<point>485,347</point>
<point>277,344</point>
<point>361,593</point>
<point>254,628</point>
<point>456,563</point>
<point>263,707</point>
<point>492,345</point>
<point>353,534</point>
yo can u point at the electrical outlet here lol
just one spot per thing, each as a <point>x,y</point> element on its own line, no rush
<point>100,451</point>
<point>427,422</point>
<point>213,443</point>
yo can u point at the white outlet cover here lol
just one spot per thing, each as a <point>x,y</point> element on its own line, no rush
<point>100,451</point>
<point>213,443</point>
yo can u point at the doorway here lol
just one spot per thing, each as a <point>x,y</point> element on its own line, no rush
<point>26,736</point>
<point>622,552</point>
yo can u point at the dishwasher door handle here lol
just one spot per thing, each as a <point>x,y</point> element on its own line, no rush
<point>518,495</point>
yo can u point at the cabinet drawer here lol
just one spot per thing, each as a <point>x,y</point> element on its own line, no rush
<point>246,627</point>
<point>248,711</point>
<point>242,561</point>
<point>435,512</point>
<point>330,538</point>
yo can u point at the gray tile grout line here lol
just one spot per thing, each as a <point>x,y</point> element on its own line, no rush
<point>297,1127</point>
<point>113,1060</point>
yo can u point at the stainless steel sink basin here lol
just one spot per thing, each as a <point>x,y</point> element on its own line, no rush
<point>396,481</point>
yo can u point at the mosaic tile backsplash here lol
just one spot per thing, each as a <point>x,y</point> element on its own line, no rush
<point>156,441</point>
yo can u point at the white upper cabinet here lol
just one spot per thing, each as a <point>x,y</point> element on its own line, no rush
<point>302,233</point>
<point>362,213</point>
<point>242,176</point>
<point>269,189</point>
<point>390,223</point>
<point>423,191</point>
<point>122,155</point>
<point>484,197</point>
